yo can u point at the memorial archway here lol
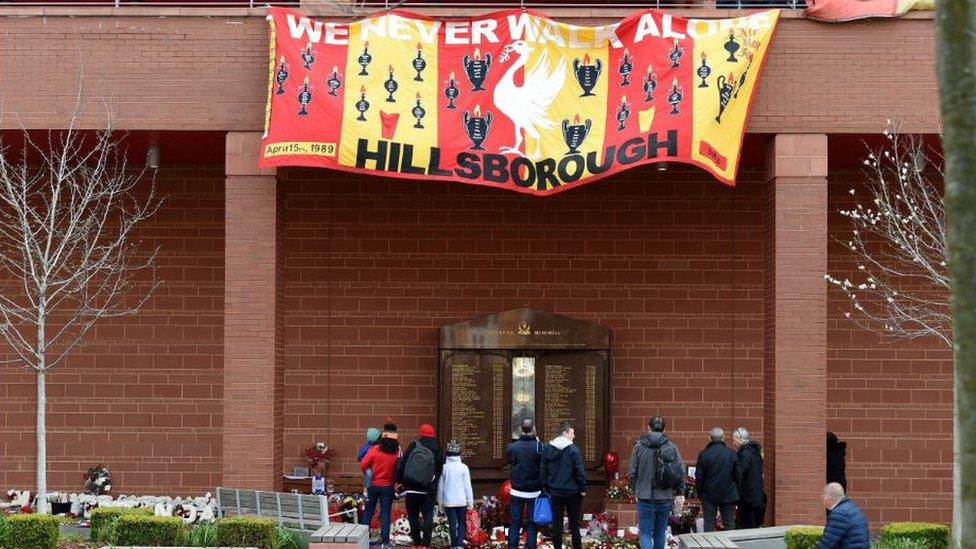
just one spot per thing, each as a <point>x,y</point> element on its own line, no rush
<point>497,369</point>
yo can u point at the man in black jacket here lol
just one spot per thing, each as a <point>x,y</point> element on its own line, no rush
<point>716,481</point>
<point>752,498</point>
<point>565,478</point>
<point>420,495</point>
<point>525,459</point>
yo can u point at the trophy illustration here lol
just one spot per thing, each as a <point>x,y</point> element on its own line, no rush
<point>477,127</point>
<point>732,46</point>
<point>334,82</point>
<point>626,67</point>
<point>476,69</point>
<point>674,98</point>
<point>724,93</point>
<point>304,98</point>
<point>650,84</point>
<point>390,86</point>
<point>362,105</point>
<point>364,59</point>
<point>281,75</point>
<point>419,113</point>
<point>623,112</point>
<point>575,133</point>
<point>451,92</point>
<point>308,57</point>
<point>419,64</point>
<point>675,54</point>
<point>703,71</point>
<point>587,74</point>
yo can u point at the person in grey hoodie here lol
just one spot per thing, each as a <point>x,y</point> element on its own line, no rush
<point>454,494</point>
<point>654,503</point>
<point>565,478</point>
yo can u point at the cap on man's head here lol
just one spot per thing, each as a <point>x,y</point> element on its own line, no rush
<point>656,424</point>
<point>427,430</point>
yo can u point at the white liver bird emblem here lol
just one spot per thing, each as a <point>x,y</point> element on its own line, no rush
<point>528,105</point>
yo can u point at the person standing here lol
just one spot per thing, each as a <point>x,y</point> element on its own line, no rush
<point>717,480</point>
<point>418,472</point>
<point>564,476</point>
<point>454,494</point>
<point>382,460</point>
<point>525,459</point>
<point>847,527</point>
<point>836,460</point>
<point>752,497</point>
<point>655,481</point>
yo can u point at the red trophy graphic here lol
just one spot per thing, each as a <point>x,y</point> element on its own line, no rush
<point>389,123</point>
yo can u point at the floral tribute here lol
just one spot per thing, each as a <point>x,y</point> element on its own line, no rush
<point>619,491</point>
<point>317,457</point>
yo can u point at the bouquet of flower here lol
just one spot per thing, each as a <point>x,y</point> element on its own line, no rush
<point>629,541</point>
<point>317,457</point>
<point>489,511</point>
<point>346,503</point>
<point>619,490</point>
<point>602,525</point>
<point>684,523</point>
<point>98,480</point>
<point>440,536</point>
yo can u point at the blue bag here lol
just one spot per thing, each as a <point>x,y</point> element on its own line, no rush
<point>543,510</point>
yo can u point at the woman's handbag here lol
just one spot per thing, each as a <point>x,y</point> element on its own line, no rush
<point>543,510</point>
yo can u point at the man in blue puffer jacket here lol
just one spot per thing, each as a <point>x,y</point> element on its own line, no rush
<point>847,527</point>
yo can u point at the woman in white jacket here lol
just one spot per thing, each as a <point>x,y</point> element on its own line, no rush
<point>454,494</point>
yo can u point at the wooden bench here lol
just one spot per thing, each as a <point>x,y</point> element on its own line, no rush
<point>339,535</point>
<point>302,512</point>
<point>705,541</point>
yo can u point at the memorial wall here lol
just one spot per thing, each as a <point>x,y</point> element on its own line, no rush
<point>499,369</point>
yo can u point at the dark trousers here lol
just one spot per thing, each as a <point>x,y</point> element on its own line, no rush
<point>728,515</point>
<point>751,516</point>
<point>515,510</point>
<point>420,530</point>
<point>457,525</point>
<point>571,506</point>
<point>384,496</point>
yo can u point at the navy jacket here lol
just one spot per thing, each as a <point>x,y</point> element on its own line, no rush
<point>562,468</point>
<point>750,474</point>
<point>525,458</point>
<point>717,474</point>
<point>847,528</point>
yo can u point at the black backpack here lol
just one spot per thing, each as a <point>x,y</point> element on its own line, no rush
<point>420,469</point>
<point>668,471</point>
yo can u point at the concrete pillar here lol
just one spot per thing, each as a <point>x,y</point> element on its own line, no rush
<point>795,357</point>
<point>253,320</point>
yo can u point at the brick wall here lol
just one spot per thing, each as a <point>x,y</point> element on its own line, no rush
<point>670,262</point>
<point>891,401</point>
<point>143,395</point>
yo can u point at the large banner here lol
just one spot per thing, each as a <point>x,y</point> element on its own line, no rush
<point>511,99</point>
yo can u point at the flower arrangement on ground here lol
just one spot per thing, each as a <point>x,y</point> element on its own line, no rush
<point>98,480</point>
<point>619,491</point>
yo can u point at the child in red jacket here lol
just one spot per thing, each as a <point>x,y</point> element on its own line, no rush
<point>382,459</point>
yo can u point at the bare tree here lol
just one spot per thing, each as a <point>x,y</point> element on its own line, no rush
<point>69,208</point>
<point>898,236</point>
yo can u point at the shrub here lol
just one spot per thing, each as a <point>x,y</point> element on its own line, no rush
<point>32,532</point>
<point>137,529</point>
<point>247,532</point>
<point>898,543</point>
<point>203,535</point>
<point>4,529</point>
<point>927,535</point>
<point>805,537</point>
<point>103,520</point>
<point>286,539</point>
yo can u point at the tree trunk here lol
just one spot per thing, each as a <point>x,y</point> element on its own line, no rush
<point>42,505</point>
<point>956,55</point>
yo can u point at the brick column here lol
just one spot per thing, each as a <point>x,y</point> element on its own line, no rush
<point>253,320</point>
<point>795,361</point>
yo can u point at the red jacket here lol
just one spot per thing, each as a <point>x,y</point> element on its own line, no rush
<point>383,465</point>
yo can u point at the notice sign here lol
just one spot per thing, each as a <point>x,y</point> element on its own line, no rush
<point>510,99</point>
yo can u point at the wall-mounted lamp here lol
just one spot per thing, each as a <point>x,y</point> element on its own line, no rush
<point>152,157</point>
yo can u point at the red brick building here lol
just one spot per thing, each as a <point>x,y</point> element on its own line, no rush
<point>304,305</point>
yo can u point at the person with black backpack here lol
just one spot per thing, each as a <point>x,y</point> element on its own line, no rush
<point>657,473</point>
<point>418,472</point>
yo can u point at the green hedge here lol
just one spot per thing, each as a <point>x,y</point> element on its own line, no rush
<point>925,534</point>
<point>136,529</point>
<point>32,532</point>
<point>247,532</point>
<point>804,537</point>
<point>103,520</point>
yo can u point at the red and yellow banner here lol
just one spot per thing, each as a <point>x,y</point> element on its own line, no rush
<point>511,99</point>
